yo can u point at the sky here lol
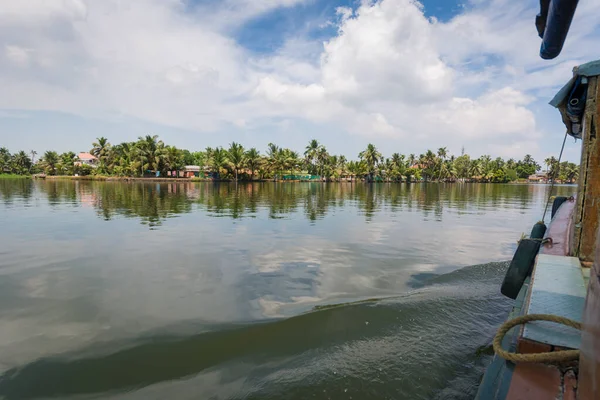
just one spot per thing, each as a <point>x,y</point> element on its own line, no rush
<point>403,75</point>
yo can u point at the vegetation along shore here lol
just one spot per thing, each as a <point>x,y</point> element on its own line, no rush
<point>149,157</point>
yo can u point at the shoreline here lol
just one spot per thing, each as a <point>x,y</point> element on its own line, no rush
<point>186,180</point>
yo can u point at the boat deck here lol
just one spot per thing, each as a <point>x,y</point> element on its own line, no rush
<point>557,286</point>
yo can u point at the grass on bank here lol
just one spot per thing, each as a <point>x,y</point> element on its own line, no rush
<point>14,176</point>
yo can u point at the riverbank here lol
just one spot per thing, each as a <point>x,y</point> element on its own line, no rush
<point>105,178</point>
<point>14,176</point>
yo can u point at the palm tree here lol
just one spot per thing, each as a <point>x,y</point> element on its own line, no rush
<point>311,154</point>
<point>273,159</point>
<point>371,158</point>
<point>428,161</point>
<point>322,159</point>
<point>552,162</point>
<point>572,172</point>
<point>50,162</point>
<point>123,159</point>
<point>442,153</point>
<point>100,150</point>
<point>33,154</point>
<point>237,157</point>
<point>475,169</point>
<point>151,153</point>
<point>352,169</point>
<point>173,159</point>
<point>341,165</point>
<point>291,160</point>
<point>253,161</point>
<point>411,160</point>
<point>67,162</point>
<point>5,160</point>
<point>548,161</point>
<point>218,161</point>
<point>21,162</point>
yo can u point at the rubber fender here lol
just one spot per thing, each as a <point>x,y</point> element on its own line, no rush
<point>538,231</point>
<point>520,267</point>
<point>558,22</point>
<point>558,200</point>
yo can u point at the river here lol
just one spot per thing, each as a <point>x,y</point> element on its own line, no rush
<point>137,290</point>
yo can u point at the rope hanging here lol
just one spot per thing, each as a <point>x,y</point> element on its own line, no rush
<point>554,176</point>
<point>548,357</point>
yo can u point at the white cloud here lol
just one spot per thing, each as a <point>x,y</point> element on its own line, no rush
<point>390,72</point>
<point>17,55</point>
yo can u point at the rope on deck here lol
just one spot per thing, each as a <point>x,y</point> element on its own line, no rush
<point>548,357</point>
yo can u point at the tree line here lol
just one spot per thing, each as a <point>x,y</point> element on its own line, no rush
<point>150,154</point>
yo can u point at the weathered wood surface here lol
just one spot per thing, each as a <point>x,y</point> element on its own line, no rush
<point>589,361</point>
<point>587,213</point>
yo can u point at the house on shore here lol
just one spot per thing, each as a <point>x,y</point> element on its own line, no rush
<point>538,178</point>
<point>191,171</point>
<point>86,159</point>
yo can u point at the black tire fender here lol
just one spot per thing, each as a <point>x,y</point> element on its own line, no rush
<point>520,267</point>
<point>538,231</point>
<point>558,201</point>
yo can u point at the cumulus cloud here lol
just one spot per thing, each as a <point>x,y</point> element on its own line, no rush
<point>388,72</point>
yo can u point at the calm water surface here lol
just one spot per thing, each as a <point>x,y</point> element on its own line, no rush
<point>260,291</point>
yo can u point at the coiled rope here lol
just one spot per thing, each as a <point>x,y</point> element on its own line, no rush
<point>548,357</point>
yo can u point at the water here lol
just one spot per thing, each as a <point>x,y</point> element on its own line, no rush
<point>264,291</point>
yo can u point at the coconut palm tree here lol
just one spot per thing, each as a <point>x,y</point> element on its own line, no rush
<point>475,169</point>
<point>100,149</point>
<point>322,159</point>
<point>151,153</point>
<point>411,160</point>
<point>291,160</point>
<point>218,161</point>
<point>50,160</point>
<point>21,163</point>
<point>311,153</point>
<point>428,162</point>
<point>371,157</point>
<point>33,154</point>
<point>236,157</point>
<point>572,172</point>
<point>173,159</point>
<point>442,153</point>
<point>5,160</point>
<point>67,163</point>
<point>273,159</point>
<point>253,161</point>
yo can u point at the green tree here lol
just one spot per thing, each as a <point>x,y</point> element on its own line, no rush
<point>21,163</point>
<point>67,163</point>
<point>371,157</point>
<point>253,161</point>
<point>50,162</point>
<point>150,152</point>
<point>218,161</point>
<point>476,169</point>
<point>322,160</point>
<point>5,160</point>
<point>173,159</point>
<point>311,154</point>
<point>101,149</point>
<point>236,157</point>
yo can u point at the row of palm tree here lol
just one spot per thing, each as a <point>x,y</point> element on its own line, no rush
<point>149,154</point>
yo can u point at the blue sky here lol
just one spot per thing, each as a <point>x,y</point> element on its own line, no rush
<point>405,76</point>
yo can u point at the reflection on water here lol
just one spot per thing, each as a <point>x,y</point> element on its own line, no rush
<point>154,202</point>
<point>107,287</point>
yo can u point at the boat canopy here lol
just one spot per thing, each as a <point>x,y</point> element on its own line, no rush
<point>570,99</point>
